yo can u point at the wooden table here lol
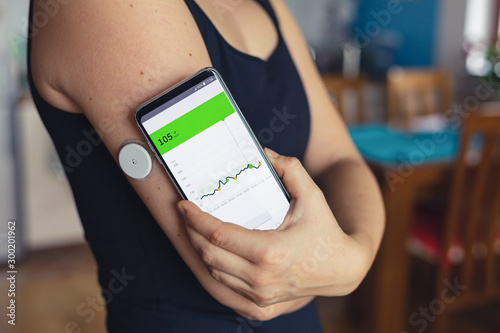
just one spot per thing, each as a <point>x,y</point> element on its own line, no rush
<point>384,300</point>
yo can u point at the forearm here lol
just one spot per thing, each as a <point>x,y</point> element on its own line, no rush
<point>355,200</point>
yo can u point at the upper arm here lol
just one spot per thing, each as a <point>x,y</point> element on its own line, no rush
<point>106,58</point>
<point>327,127</point>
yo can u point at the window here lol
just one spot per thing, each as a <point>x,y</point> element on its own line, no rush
<point>480,37</point>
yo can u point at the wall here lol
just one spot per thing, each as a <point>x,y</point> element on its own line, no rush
<point>414,24</point>
<point>323,21</point>
<point>448,51</point>
<point>411,35</point>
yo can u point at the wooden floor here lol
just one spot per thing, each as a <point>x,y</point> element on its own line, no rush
<point>53,284</point>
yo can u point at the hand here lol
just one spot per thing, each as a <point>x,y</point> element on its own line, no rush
<point>308,255</point>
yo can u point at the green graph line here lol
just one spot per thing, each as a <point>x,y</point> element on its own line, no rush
<point>235,177</point>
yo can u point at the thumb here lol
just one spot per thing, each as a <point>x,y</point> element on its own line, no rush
<point>192,213</point>
<point>295,178</point>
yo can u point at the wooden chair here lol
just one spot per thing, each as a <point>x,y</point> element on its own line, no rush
<point>416,92</point>
<point>341,88</point>
<point>469,238</point>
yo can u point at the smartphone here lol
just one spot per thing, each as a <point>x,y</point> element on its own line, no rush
<point>212,156</point>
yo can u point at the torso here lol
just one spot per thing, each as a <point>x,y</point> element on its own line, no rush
<point>95,58</point>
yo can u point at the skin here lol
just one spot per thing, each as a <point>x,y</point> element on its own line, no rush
<point>104,58</point>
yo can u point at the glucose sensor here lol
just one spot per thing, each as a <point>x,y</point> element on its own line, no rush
<point>135,161</point>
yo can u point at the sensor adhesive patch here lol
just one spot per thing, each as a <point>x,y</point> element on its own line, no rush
<point>135,161</point>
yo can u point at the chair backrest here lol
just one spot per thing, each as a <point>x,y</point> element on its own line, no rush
<point>474,209</point>
<point>341,88</point>
<point>414,92</point>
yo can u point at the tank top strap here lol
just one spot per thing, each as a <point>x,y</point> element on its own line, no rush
<point>200,18</point>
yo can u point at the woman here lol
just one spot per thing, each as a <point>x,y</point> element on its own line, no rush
<point>164,266</point>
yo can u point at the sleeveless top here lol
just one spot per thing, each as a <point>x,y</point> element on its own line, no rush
<point>146,285</point>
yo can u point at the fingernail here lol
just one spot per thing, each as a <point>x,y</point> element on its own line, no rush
<point>181,209</point>
<point>271,153</point>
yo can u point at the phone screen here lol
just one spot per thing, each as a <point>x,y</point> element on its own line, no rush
<point>211,154</point>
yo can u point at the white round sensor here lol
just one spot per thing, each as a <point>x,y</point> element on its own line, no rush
<point>135,161</point>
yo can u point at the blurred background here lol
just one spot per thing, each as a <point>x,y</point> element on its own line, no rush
<point>417,81</point>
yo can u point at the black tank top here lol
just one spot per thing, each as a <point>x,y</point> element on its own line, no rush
<point>145,283</point>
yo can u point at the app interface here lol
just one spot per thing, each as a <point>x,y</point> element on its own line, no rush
<point>209,151</point>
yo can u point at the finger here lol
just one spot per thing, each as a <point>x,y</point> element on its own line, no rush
<point>262,296</point>
<point>217,258</point>
<point>231,237</point>
<point>295,178</point>
<point>225,267</point>
<point>233,282</point>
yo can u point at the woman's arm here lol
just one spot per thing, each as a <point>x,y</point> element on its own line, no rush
<point>103,59</point>
<point>332,232</point>
<point>331,158</point>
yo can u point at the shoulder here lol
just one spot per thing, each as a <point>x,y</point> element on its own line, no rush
<point>103,50</point>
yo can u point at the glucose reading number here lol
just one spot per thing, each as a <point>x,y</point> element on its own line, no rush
<point>165,139</point>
